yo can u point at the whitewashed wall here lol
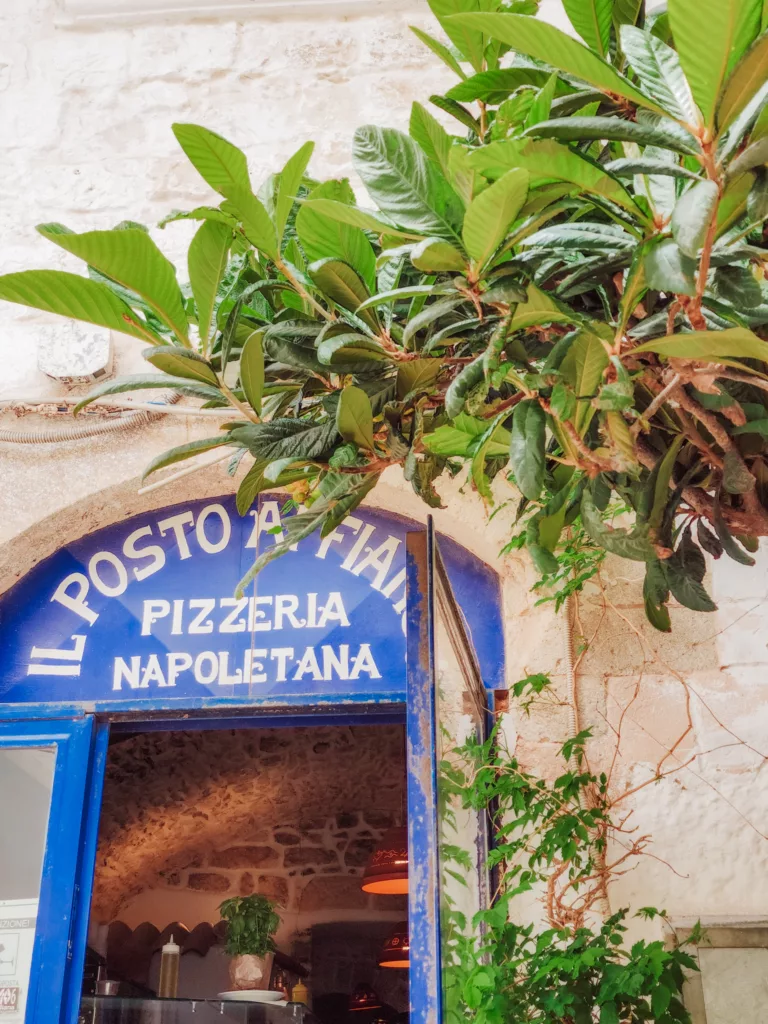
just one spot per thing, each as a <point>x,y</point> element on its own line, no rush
<point>86,110</point>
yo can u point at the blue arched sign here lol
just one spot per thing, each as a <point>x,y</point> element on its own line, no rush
<point>144,612</point>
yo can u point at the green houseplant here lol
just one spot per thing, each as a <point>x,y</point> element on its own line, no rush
<point>568,291</point>
<point>251,924</point>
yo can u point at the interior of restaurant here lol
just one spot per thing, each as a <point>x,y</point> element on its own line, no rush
<point>313,818</point>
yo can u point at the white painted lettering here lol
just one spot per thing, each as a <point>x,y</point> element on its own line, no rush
<point>123,673</point>
<point>379,558</point>
<point>253,666</point>
<point>153,551</point>
<point>308,663</point>
<point>357,547</point>
<point>176,621</point>
<point>281,656</point>
<point>364,663</point>
<point>107,589</point>
<point>225,679</point>
<point>398,580</point>
<point>153,673</point>
<point>76,602</point>
<point>338,663</point>
<point>206,606</point>
<point>285,608</point>
<point>257,619</point>
<point>229,625</point>
<point>153,610</point>
<point>264,520</point>
<point>334,611</point>
<point>209,546</point>
<point>336,536</point>
<point>177,523</point>
<point>178,663</point>
<point>208,675</point>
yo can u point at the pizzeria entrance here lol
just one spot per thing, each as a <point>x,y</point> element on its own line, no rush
<point>377,638</point>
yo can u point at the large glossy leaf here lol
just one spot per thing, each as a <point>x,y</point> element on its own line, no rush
<point>746,79</point>
<point>495,86</point>
<point>404,184</point>
<point>322,236</point>
<point>142,381</point>
<point>56,291</point>
<point>667,269</point>
<point>344,286</point>
<point>222,165</point>
<point>546,160</point>
<point>290,180</point>
<point>583,236</point>
<point>429,315</point>
<point>634,544</point>
<point>468,40</point>
<point>252,370</point>
<point>635,286</point>
<point>710,37</point>
<point>526,448</point>
<point>582,367</point>
<point>131,258</point>
<point>206,262</point>
<point>710,346</point>
<point>540,308</point>
<point>253,215</point>
<point>753,156</point>
<point>458,438</point>
<point>628,167</point>
<point>357,218</point>
<point>577,129</point>
<point>545,42</point>
<point>434,255</point>
<point>661,77</point>
<point>347,347</point>
<point>491,214</point>
<point>183,452</point>
<point>431,136</point>
<point>592,20</point>
<point>440,50</point>
<point>461,385</point>
<point>693,215</point>
<point>354,417</point>
<point>181,362</point>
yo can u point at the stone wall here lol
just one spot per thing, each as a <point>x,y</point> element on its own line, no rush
<point>291,813</point>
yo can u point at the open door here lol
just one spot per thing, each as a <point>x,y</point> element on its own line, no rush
<point>44,767</point>
<point>447,845</point>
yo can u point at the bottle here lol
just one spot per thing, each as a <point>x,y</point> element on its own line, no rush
<point>169,971</point>
<point>300,993</point>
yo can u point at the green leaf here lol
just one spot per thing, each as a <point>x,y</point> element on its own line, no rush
<point>357,218</point>
<point>634,545</point>
<point>581,235</point>
<point>628,167</point>
<point>635,287</point>
<point>348,348</point>
<point>55,291</point>
<point>708,540</point>
<point>286,437</point>
<point>753,156</point>
<point>658,68</point>
<point>582,367</point>
<point>471,375</point>
<point>494,86</point>
<point>710,37</point>
<point>483,452</point>
<point>660,478</point>
<point>415,291</point>
<point>730,546</point>
<point>440,50</point>
<point>693,216</point>
<point>417,375</point>
<point>542,103</point>
<point>339,282</point>
<point>404,184</point>
<point>546,160</point>
<point>526,448</point>
<point>738,286</point>
<point>655,597</point>
<point>221,164</point>
<point>459,438</point>
<point>644,133</point>
<point>321,236</point>
<point>131,258</point>
<point>252,370</point>
<point>257,224</point>
<point>592,20</point>
<point>206,262</point>
<point>434,255</point>
<point>431,136</point>
<point>354,417</point>
<point>709,346</point>
<point>252,484</point>
<point>468,40</point>
<point>140,381</point>
<point>491,214</point>
<point>537,39</point>
<point>540,308</point>
<point>428,315</point>
<point>736,477</point>
<point>609,1014</point>
<point>660,1000</point>
<point>181,362</point>
<point>290,180</point>
<point>747,78</point>
<point>184,451</point>
<point>669,270</point>
<point>684,572</point>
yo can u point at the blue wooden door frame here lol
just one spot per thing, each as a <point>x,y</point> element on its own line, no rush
<point>72,740</point>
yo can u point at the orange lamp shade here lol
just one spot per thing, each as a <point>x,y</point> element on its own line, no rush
<point>397,948</point>
<point>387,869</point>
<point>364,998</point>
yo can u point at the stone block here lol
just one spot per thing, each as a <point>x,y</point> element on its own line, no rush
<point>244,857</point>
<point>305,856</point>
<point>341,893</point>
<point>207,881</point>
<point>358,852</point>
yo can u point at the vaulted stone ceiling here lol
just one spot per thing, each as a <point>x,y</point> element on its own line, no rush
<point>193,808</point>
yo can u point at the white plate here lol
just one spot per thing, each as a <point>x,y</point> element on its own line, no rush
<point>253,996</point>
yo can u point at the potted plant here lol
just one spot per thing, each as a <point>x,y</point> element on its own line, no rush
<point>252,921</point>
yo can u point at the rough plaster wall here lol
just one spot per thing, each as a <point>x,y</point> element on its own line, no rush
<point>87,141</point>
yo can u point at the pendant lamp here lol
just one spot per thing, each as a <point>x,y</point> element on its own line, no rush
<point>364,998</point>
<point>387,869</point>
<point>397,948</point>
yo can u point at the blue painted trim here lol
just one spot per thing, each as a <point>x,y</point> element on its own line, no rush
<point>72,741</point>
<point>424,890</point>
<point>89,840</point>
<point>373,716</point>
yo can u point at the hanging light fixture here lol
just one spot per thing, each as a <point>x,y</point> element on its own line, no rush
<point>397,948</point>
<point>364,998</point>
<point>387,868</point>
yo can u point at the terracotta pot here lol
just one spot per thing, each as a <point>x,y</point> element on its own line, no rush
<point>247,972</point>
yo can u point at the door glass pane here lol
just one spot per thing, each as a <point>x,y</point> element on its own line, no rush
<point>26,784</point>
<point>462,833</point>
